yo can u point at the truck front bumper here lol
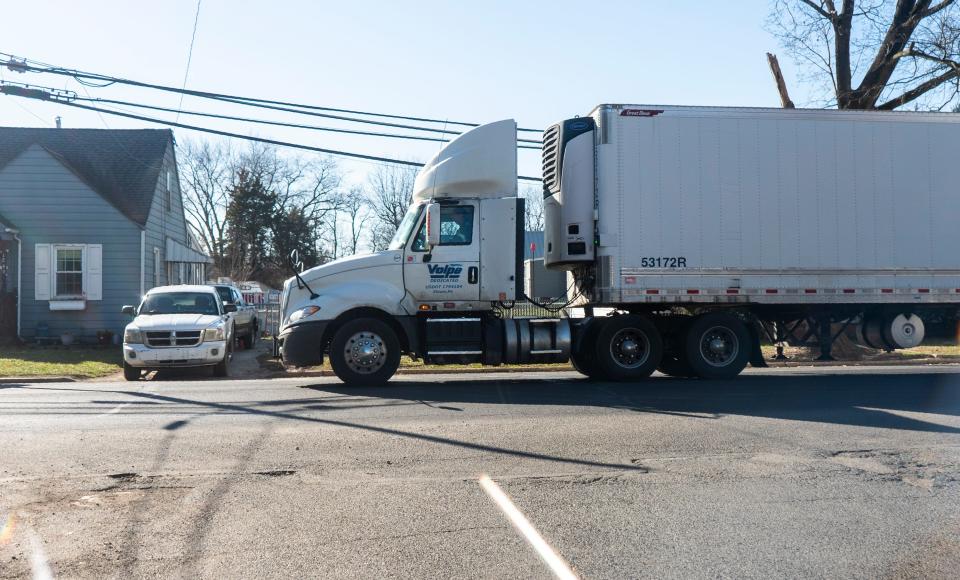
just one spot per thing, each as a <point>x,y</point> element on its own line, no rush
<point>302,345</point>
<point>205,353</point>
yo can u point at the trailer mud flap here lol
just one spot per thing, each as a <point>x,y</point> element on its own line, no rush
<point>756,354</point>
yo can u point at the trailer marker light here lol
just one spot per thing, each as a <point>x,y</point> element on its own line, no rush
<point>809,290</point>
<point>772,290</point>
<point>849,291</point>
<point>923,290</point>
<point>692,291</point>
<point>733,290</point>
<point>630,280</point>
<point>652,291</point>
<point>449,305</point>
<point>886,290</point>
<point>424,307</point>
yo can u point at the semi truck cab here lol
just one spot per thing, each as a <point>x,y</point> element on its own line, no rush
<point>456,255</point>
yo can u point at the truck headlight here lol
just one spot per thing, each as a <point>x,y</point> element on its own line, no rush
<point>303,313</point>
<point>213,334</point>
<point>132,336</point>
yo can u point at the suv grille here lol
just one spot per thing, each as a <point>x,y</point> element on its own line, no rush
<point>551,161</point>
<point>168,338</point>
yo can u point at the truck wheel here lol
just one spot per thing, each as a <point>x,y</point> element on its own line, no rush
<point>582,357</point>
<point>365,352</point>
<point>131,373</point>
<point>627,348</point>
<point>674,366</point>
<point>717,346</point>
<point>252,338</point>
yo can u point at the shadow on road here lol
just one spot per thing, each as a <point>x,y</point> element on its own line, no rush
<point>868,400</point>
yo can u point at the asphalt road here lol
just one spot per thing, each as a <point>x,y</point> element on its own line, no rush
<point>832,472</point>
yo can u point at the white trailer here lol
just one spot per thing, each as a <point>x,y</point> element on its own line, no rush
<point>700,229</point>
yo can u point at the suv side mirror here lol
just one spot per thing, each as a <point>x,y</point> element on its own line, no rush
<point>433,225</point>
<point>228,308</point>
<point>129,310</point>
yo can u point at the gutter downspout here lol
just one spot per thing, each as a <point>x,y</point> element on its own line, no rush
<point>143,250</point>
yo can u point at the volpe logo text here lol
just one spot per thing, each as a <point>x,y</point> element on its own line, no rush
<point>445,271</point>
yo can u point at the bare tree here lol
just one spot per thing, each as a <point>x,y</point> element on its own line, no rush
<point>206,173</point>
<point>533,209</point>
<point>874,54</point>
<point>357,215</point>
<point>390,189</point>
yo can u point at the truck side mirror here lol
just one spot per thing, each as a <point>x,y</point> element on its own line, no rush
<point>229,307</point>
<point>433,225</point>
<point>129,310</point>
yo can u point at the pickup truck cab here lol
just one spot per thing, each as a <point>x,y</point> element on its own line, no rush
<point>178,326</point>
<point>246,325</point>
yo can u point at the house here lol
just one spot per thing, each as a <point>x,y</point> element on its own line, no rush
<point>90,219</point>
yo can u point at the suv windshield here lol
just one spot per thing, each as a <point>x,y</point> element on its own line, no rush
<point>180,303</point>
<point>406,226</point>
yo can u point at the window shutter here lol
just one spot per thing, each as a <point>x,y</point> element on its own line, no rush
<point>41,280</point>
<point>94,272</point>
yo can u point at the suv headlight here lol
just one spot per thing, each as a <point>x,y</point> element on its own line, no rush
<point>213,334</point>
<point>303,313</point>
<point>132,336</point>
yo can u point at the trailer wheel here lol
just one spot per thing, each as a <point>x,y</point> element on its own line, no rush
<point>717,346</point>
<point>676,366</point>
<point>627,348</point>
<point>365,352</point>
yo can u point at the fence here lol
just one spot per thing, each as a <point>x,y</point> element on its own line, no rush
<point>268,318</point>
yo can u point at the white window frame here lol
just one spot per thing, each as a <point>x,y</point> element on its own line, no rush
<point>55,270</point>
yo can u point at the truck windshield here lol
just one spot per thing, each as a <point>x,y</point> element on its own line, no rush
<point>406,226</point>
<point>180,303</point>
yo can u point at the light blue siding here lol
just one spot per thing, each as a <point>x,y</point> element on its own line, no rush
<point>50,204</point>
<point>162,222</point>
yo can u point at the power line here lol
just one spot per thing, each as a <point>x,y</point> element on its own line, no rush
<point>275,123</point>
<point>47,96</point>
<point>82,76</point>
<point>193,37</point>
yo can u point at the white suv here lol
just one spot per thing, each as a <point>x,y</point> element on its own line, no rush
<point>178,326</point>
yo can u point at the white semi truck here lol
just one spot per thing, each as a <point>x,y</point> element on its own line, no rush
<point>701,229</point>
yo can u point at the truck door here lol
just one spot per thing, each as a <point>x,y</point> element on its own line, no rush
<point>451,271</point>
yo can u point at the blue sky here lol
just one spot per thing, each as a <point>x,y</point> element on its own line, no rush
<point>536,61</point>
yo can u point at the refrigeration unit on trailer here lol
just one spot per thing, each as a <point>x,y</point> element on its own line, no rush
<point>702,229</point>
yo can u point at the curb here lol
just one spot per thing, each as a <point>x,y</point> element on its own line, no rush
<point>19,380</point>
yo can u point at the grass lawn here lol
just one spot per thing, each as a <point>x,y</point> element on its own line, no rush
<point>53,361</point>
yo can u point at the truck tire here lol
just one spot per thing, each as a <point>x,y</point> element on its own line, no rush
<point>627,348</point>
<point>582,357</point>
<point>252,337</point>
<point>365,352</point>
<point>131,373</point>
<point>717,346</point>
<point>675,366</point>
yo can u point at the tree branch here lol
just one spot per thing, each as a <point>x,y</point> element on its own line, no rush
<point>819,9</point>
<point>937,8</point>
<point>918,91</point>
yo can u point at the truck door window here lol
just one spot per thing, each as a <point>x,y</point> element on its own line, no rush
<point>456,228</point>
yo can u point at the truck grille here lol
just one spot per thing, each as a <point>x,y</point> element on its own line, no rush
<point>169,338</point>
<point>551,161</point>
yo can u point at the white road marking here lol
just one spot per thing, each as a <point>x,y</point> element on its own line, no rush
<point>144,388</point>
<point>38,560</point>
<point>557,565</point>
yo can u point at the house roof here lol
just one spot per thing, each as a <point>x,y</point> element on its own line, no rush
<point>122,165</point>
<point>7,224</point>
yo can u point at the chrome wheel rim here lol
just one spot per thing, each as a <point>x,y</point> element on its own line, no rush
<point>365,353</point>
<point>630,348</point>
<point>719,346</point>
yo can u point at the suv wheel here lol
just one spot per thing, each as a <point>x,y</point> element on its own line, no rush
<point>131,373</point>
